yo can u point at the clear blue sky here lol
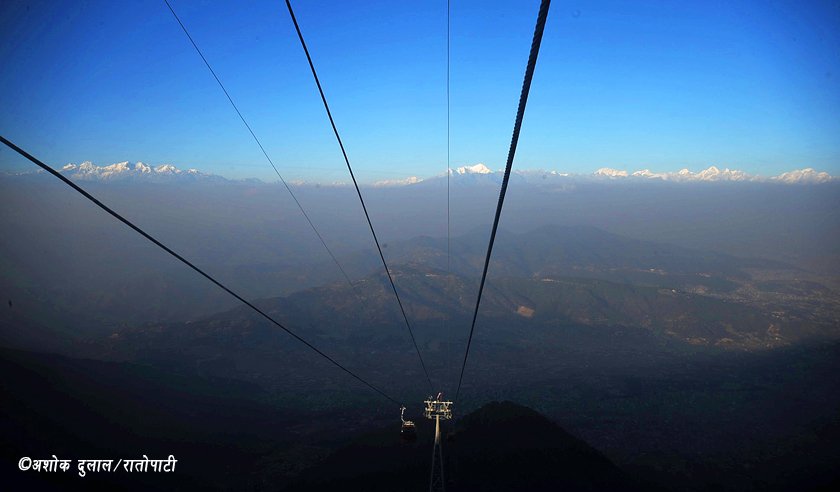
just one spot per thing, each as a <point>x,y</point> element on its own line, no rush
<point>660,85</point>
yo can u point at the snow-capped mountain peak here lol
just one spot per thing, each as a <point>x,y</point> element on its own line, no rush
<point>715,174</point>
<point>610,173</point>
<point>803,176</point>
<point>167,169</point>
<point>646,173</point>
<point>86,166</point>
<point>475,169</point>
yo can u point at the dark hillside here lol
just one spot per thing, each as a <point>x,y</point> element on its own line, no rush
<point>85,409</point>
<point>499,447</point>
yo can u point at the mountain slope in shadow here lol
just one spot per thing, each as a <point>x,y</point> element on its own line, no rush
<point>499,447</point>
<point>86,409</point>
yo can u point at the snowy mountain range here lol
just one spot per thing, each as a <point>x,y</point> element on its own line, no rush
<point>479,173</point>
<point>125,171</point>
<point>713,173</point>
<point>460,176</point>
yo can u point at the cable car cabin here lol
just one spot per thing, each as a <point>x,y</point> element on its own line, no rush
<point>408,432</point>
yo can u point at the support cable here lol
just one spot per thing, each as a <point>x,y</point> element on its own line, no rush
<point>259,144</point>
<point>448,178</point>
<point>189,264</point>
<point>523,100</point>
<point>358,191</point>
<point>448,133</point>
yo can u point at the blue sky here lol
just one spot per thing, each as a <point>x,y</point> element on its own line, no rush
<point>660,85</point>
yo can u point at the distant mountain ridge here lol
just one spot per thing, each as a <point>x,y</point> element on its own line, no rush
<point>139,171</point>
<point>481,174</point>
<point>549,280</point>
<point>465,175</point>
<point>712,174</point>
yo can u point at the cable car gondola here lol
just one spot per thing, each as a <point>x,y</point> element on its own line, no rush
<point>408,431</point>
